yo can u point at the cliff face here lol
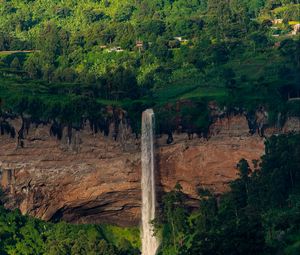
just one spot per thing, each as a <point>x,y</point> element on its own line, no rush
<point>94,178</point>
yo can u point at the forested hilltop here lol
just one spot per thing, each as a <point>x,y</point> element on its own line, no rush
<point>83,55</point>
<point>150,43</point>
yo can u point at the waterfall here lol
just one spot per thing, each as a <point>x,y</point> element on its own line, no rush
<point>149,242</point>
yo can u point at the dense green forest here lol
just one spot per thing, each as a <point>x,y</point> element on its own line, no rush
<point>64,62</point>
<point>28,236</point>
<point>260,215</point>
<point>138,54</point>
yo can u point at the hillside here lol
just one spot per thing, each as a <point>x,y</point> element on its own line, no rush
<point>85,56</point>
<point>222,76</point>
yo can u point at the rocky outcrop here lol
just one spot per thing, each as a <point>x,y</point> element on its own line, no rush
<point>96,178</point>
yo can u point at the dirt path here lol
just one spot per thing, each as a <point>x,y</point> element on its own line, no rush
<point>8,52</point>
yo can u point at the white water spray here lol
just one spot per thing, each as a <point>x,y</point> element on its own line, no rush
<point>149,242</point>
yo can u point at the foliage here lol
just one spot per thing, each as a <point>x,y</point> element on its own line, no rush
<point>195,51</point>
<point>260,214</point>
<point>25,235</point>
<point>82,55</point>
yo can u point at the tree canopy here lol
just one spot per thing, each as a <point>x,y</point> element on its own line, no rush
<point>259,215</point>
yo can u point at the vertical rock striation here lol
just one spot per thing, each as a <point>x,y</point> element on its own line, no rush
<point>96,178</point>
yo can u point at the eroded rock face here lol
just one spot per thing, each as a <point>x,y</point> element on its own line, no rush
<point>94,178</point>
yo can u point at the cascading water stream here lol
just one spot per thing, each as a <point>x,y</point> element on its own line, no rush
<point>149,242</point>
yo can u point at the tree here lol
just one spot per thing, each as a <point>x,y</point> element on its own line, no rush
<point>32,66</point>
<point>15,64</point>
<point>259,40</point>
<point>291,49</point>
<point>174,216</point>
<point>4,42</point>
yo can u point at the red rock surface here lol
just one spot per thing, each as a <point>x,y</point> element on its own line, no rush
<point>95,179</point>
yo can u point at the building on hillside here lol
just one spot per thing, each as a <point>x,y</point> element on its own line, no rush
<point>296,29</point>
<point>180,39</point>
<point>277,21</point>
<point>115,49</point>
<point>139,44</point>
<point>119,49</point>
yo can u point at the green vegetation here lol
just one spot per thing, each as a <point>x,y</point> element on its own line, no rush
<point>195,51</point>
<point>260,215</point>
<point>25,235</point>
<point>65,62</point>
